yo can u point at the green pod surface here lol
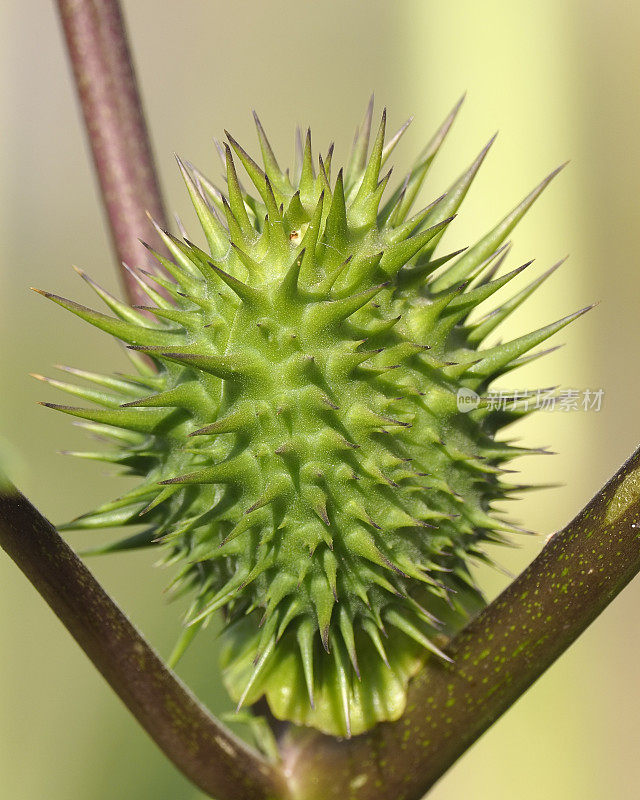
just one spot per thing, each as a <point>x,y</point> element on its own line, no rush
<point>301,452</point>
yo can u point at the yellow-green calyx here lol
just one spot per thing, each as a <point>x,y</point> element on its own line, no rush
<point>299,443</point>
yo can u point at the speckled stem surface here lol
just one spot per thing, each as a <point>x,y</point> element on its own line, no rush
<point>495,660</point>
<point>209,755</point>
<point>108,93</point>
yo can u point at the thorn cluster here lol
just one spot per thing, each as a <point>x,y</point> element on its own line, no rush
<point>298,443</point>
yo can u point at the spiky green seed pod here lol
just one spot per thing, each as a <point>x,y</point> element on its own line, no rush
<point>301,452</point>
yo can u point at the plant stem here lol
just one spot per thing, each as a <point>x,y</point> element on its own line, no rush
<point>495,660</point>
<point>114,120</point>
<point>207,753</point>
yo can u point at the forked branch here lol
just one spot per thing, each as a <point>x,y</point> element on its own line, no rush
<point>495,659</point>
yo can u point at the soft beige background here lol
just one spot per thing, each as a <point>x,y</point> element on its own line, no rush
<point>559,80</point>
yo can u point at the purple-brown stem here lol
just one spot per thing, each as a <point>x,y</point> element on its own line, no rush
<point>204,750</point>
<point>108,92</point>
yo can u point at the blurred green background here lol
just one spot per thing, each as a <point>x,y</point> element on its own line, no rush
<point>558,80</point>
